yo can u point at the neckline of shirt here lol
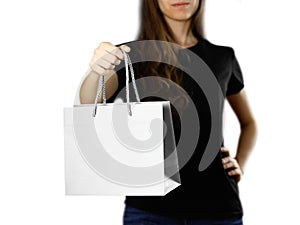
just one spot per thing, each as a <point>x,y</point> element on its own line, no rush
<point>198,43</point>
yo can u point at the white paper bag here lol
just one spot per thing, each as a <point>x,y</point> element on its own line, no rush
<point>120,148</point>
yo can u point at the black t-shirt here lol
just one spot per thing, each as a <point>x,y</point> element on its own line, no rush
<point>212,193</point>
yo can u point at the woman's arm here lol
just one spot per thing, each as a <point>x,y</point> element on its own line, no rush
<point>88,89</point>
<point>247,138</point>
<point>106,57</point>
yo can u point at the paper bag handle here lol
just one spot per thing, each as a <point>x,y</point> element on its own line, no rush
<point>101,86</point>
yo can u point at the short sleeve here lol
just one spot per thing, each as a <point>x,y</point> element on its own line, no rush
<point>236,80</point>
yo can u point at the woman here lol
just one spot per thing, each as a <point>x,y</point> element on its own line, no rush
<point>214,200</point>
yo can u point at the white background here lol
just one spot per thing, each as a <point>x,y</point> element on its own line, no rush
<point>45,49</point>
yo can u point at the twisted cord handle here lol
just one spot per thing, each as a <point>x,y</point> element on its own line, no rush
<point>101,86</point>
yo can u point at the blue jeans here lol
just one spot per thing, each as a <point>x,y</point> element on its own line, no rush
<point>134,216</point>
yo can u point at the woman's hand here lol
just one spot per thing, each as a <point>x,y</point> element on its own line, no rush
<point>106,57</point>
<point>232,165</point>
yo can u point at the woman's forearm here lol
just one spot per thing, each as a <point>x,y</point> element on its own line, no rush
<point>88,89</point>
<point>246,143</point>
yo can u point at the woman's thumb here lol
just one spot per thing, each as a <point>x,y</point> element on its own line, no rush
<point>125,48</point>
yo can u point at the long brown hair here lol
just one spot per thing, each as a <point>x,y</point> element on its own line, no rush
<point>154,27</point>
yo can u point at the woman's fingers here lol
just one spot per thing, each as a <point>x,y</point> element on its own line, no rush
<point>230,162</point>
<point>105,64</point>
<point>116,52</point>
<point>225,150</point>
<point>106,57</point>
<point>125,48</point>
<point>236,171</point>
<point>231,165</point>
<point>98,69</point>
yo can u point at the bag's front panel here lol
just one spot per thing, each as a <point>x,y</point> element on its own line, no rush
<point>122,154</point>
